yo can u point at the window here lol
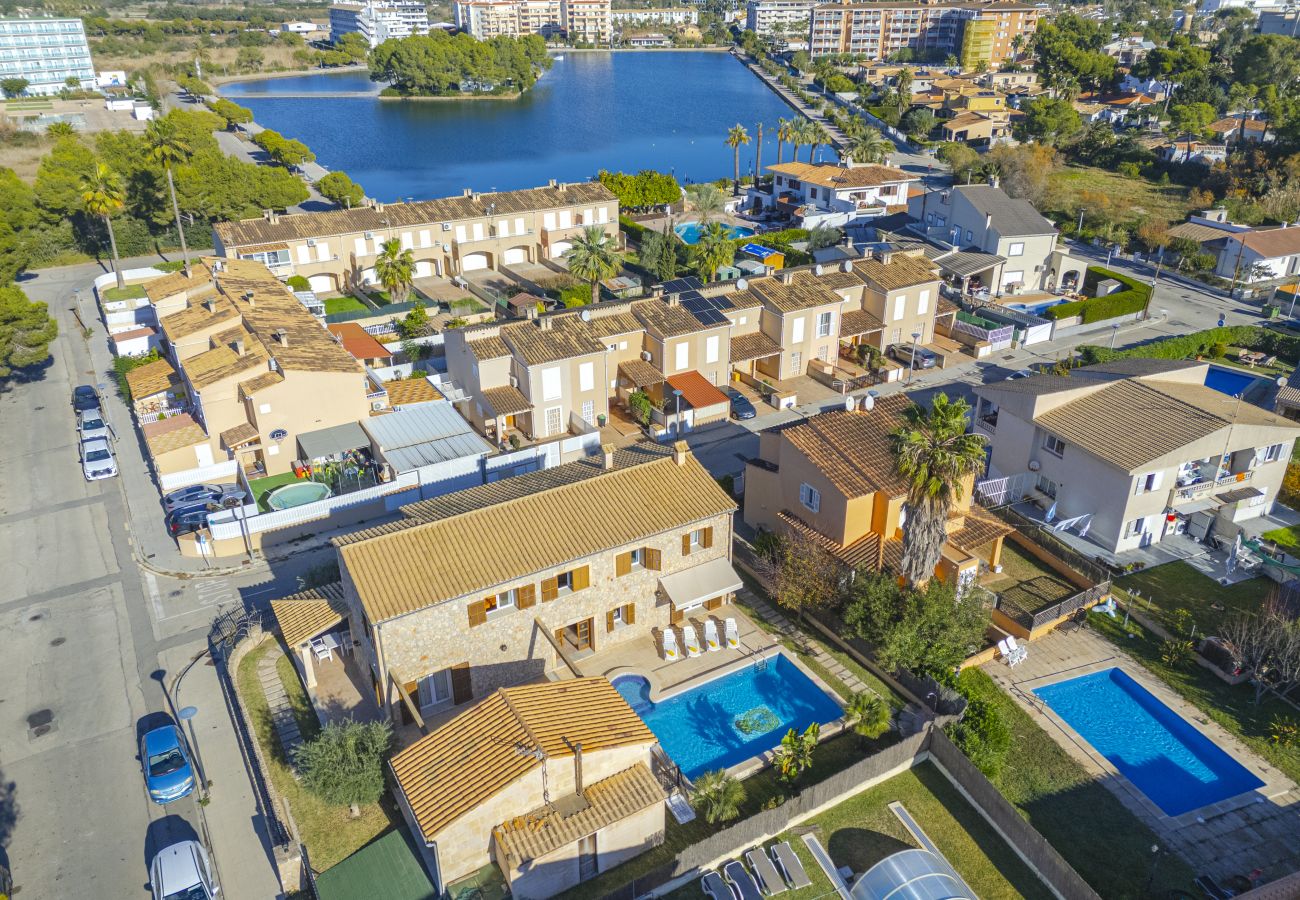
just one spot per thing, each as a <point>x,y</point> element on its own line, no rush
<point>554,421</point>
<point>589,412</point>
<point>1271,453</point>
<point>810,497</point>
<point>796,362</point>
<point>1136,527</point>
<point>699,539</point>
<point>619,616</point>
<point>1148,483</point>
<point>682,355</point>
<point>552,386</point>
<point>566,583</point>
<point>796,329</point>
<point>1053,444</point>
<point>711,344</point>
<point>900,306</point>
<point>1016,249</point>
<point>638,558</point>
<point>586,377</point>
<point>502,602</point>
<point>434,690</point>
<point>1047,486</point>
<point>824,322</point>
<point>923,303</point>
<point>970,235</point>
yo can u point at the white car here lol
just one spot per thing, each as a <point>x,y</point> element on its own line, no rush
<point>91,424</point>
<point>97,459</point>
<point>183,872</point>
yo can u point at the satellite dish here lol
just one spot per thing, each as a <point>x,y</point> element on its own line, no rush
<point>1281,381</point>
<point>848,403</point>
<point>585,315</point>
<point>741,284</point>
<point>868,403</point>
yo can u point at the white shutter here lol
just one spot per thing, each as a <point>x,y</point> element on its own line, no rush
<point>1155,481</point>
<point>503,228</point>
<point>359,246</point>
<point>460,234</point>
<point>711,348</point>
<point>322,251</point>
<point>425,238</point>
<point>407,243</point>
<point>519,225</point>
<point>683,355</point>
<point>924,305</point>
<point>586,376</point>
<point>796,330</point>
<point>304,253</point>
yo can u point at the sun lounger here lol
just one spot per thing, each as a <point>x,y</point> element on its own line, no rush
<point>713,885</point>
<point>1018,653</point>
<point>786,860</point>
<point>1005,652</point>
<point>1212,888</point>
<point>671,653</point>
<point>711,641</point>
<point>733,634</point>
<point>691,639</point>
<point>740,879</point>
<point>768,877</point>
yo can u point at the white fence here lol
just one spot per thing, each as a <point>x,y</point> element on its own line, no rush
<point>222,471</point>
<point>149,418</point>
<point>225,524</point>
<point>1001,491</point>
<point>108,279</point>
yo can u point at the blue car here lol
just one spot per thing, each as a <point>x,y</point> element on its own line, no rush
<point>167,769</point>
<point>741,408</point>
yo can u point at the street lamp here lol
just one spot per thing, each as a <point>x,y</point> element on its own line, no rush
<point>1155,860</point>
<point>187,715</point>
<point>1114,332</point>
<point>911,362</point>
<point>677,416</point>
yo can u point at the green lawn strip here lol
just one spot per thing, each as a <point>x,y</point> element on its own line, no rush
<point>862,831</point>
<point>1287,538</point>
<point>1177,585</point>
<point>1077,814</point>
<point>130,292</point>
<point>328,831</point>
<point>344,304</point>
<point>1229,706</point>
<point>262,487</point>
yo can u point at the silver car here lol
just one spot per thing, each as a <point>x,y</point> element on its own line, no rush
<point>97,459</point>
<point>183,871</point>
<point>91,424</point>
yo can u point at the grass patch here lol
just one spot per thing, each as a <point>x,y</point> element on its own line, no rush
<point>328,831</point>
<point>861,831</point>
<point>1287,538</point>
<point>1132,199</point>
<point>1233,361</point>
<point>344,304</point>
<point>1027,583</point>
<point>262,487</point>
<point>1077,814</point>
<point>1173,586</point>
<point>129,292</point>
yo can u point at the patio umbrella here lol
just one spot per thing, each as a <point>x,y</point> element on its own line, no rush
<point>1232,554</point>
<point>1051,514</point>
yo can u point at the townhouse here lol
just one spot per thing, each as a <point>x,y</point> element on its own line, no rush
<point>447,237</point>
<point>981,32</point>
<point>833,196</point>
<point>1132,452</point>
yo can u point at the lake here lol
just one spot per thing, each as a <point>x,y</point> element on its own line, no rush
<point>666,110</point>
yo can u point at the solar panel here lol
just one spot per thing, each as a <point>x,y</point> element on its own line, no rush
<point>696,304</point>
<point>681,285</point>
<point>710,317</point>
<point>722,303</point>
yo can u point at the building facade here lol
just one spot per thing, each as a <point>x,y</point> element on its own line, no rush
<point>670,15</point>
<point>1264,254</point>
<point>581,21</point>
<point>777,18</point>
<point>979,32</point>
<point>46,53</point>
<point>378,20</point>
<point>834,196</point>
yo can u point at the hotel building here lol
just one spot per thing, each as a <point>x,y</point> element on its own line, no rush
<point>978,32</point>
<point>45,52</point>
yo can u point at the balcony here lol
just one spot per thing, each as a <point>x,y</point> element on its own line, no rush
<point>1193,491</point>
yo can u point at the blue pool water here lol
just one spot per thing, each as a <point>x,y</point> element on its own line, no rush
<point>1171,762</point>
<point>1228,381</point>
<point>1036,309</point>
<point>699,728</point>
<point>689,232</point>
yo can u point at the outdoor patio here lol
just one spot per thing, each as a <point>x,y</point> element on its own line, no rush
<point>341,692</point>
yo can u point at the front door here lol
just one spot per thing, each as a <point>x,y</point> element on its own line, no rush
<point>587,867</point>
<point>576,636</point>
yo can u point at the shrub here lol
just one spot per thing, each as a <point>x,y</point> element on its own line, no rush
<point>718,796</point>
<point>767,544</point>
<point>124,364</point>
<point>1283,732</point>
<point>870,715</point>
<point>728,484</point>
<point>171,265</point>
<point>632,229</point>
<point>1176,653</point>
<point>1180,621</point>
<point>344,765</point>
<point>1131,300</point>
<point>1129,170</point>
<point>982,736</point>
<point>1219,350</point>
<point>298,283</point>
<point>1283,344</point>
<point>639,404</point>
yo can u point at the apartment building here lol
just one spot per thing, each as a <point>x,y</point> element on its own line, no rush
<point>980,32</point>
<point>1132,452</point>
<point>45,52</point>
<point>834,196</point>
<point>256,368</point>
<point>447,237</point>
<point>586,21</point>
<point>676,16</point>
<point>378,20</point>
<point>769,18</point>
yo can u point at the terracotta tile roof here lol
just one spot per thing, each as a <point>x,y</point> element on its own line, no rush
<point>173,283</point>
<point>902,271</point>
<point>852,448</point>
<point>120,336</point>
<point>978,530</point>
<point>260,383</point>
<point>640,373</point>
<point>757,345</point>
<point>489,346</point>
<point>859,321</point>
<point>608,324</point>
<point>864,553</point>
<point>305,615</point>
<point>507,401</point>
<point>411,390</point>
<point>610,800</point>
<point>392,573</point>
<point>173,433</point>
<point>152,378</point>
<point>408,215</point>
<point>804,291</point>
<point>1195,231</point>
<point>1270,242</point>
<point>196,317</point>
<point>223,362</point>
<point>696,390</point>
<point>474,757</point>
<point>359,342</point>
<point>1233,124</point>
<point>840,177</point>
<point>741,299</point>
<point>242,433</point>
<point>551,338</point>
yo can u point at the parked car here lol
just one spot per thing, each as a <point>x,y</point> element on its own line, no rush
<point>198,494</point>
<point>97,459</point>
<point>91,424</point>
<point>187,519</point>
<point>167,770</point>
<point>741,408</point>
<point>917,358</point>
<point>182,871</point>
<point>84,397</point>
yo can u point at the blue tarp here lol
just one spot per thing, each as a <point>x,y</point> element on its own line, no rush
<point>758,250</point>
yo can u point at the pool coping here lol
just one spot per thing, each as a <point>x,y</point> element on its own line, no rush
<point>1274,782</point>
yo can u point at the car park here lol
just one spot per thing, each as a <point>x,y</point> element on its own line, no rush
<point>91,424</point>
<point>183,871</point>
<point>741,408</point>
<point>199,494</point>
<point>914,357</point>
<point>84,397</point>
<point>167,770</point>
<point>97,459</point>
<point>187,519</point>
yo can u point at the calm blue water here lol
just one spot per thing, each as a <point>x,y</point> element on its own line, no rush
<point>1171,762</point>
<point>698,728</point>
<point>1035,309</point>
<point>595,110</point>
<point>1228,381</point>
<point>690,231</point>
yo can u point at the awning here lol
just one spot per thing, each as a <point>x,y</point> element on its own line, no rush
<point>746,347</point>
<point>691,588</point>
<point>507,401</point>
<point>640,373</point>
<point>1196,506</point>
<point>333,441</point>
<point>241,434</point>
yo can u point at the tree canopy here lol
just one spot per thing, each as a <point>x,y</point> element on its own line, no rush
<point>644,189</point>
<point>438,63</point>
<point>339,188</point>
<point>26,330</point>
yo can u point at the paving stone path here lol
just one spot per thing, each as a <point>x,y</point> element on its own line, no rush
<point>788,629</point>
<point>277,701</point>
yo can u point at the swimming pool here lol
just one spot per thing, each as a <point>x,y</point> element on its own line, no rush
<point>1177,767</point>
<point>1035,309</point>
<point>689,232</point>
<point>297,494</point>
<point>1228,381</point>
<point>731,718</point>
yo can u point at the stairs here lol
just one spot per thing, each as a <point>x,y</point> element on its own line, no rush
<point>277,701</point>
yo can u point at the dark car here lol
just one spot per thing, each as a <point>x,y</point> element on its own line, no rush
<point>915,357</point>
<point>741,408</point>
<point>84,397</point>
<point>200,495</point>
<point>187,519</point>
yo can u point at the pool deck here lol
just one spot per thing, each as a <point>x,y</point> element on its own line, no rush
<point>1255,830</point>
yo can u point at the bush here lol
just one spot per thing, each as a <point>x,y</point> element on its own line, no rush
<point>1219,350</point>
<point>298,283</point>
<point>344,765</point>
<point>871,715</point>
<point>1129,170</point>
<point>767,544</point>
<point>124,364</point>
<point>171,265</point>
<point>632,229</point>
<point>1285,345</point>
<point>982,736</point>
<point>718,796</point>
<point>1131,300</point>
<point>1176,654</point>
<point>1283,732</point>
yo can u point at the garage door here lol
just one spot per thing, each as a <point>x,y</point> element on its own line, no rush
<point>321,283</point>
<point>474,262</point>
<point>516,255</point>
<point>558,250</point>
<point>423,269</point>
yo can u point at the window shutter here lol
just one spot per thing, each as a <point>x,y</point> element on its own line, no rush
<point>653,558</point>
<point>412,689</point>
<point>550,589</point>
<point>708,537</point>
<point>609,621</point>
<point>582,578</point>
<point>461,685</point>
<point>623,564</point>
<point>477,612</point>
<point>629,614</point>
<point>526,596</point>
<point>686,544</point>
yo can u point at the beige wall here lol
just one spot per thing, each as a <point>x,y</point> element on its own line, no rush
<point>900,310</point>
<point>714,368</point>
<point>571,396</point>
<point>180,460</point>
<point>797,334</point>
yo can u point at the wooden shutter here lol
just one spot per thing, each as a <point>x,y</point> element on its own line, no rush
<point>582,578</point>
<point>708,537</point>
<point>461,687</point>
<point>609,621</point>
<point>412,689</point>
<point>622,564</point>
<point>478,612</point>
<point>550,589</point>
<point>686,544</point>
<point>653,558</point>
<point>526,596</point>
<point>713,603</point>
<point>629,614</point>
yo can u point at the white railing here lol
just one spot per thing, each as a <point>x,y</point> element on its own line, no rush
<point>1193,491</point>
<point>148,418</point>
<point>1001,491</point>
<point>108,279</point>
<point>221,471</point>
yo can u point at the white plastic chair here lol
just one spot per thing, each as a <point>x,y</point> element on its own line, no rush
<point>711,635</point>
<point>1004,651</point>
<point>321,648</point>
<point>1018,653</point>
<point>671,653</point>
<point>733,634</point>
<point>692,640</point>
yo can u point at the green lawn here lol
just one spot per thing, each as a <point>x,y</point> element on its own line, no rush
<point>328,831</point>
<point>344,304</point>
<point>1026,583</point>
<point>1078,815</point>
<point>1131,199</point>
<point>862,830</point>
<point>262,487</point>
<point>1177,585</point>
<point>1287,538</point>
<point>130,292</point>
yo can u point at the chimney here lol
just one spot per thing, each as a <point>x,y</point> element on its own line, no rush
<point>238,346</point>
<point>282,336</point>
<point>379,207</point>
<point>681,450</point>
<point>577,768</point>
<point>210,304</point>
<point>608,450</point>
<point>551,183</point>
<point>787,277</point>
<point>545,323</point>
<point>248,298</point>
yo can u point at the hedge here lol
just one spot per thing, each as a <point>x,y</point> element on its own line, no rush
<point>634,230</point>
<point>1131,300</point>
<point>1284,345</point>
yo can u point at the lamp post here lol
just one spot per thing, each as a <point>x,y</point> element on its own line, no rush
<point>1114,332</point>
<point>677,416</point>
<point>911,362</point>
<point>187,715</point>
<point>1155,860</point>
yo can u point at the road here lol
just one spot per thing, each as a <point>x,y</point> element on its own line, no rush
<point>96,646</point>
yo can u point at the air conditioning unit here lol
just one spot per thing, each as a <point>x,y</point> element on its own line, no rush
<point>311,242</point>
<point>370,235</point>
<point>377,406</point>
<point>446,226</point>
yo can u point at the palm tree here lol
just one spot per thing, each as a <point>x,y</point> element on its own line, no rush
<point>707,200</point>
<point>868,146</point>
<point>718,795</point>
<point>817,135</point>
<point>713,250</point>
<point>102,195</point>
<point>736,138</point>
<point>168,148</point>
<point>868,714</point>
<point>784,135</point>
<point>592,258</point>
<point>803,136</point>
<point>794,755</point>
<point>934,453</point>
<point>395,269</point>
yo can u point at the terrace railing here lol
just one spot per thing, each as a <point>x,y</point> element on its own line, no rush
<point>1070,605</point>
<point>1192,491</point>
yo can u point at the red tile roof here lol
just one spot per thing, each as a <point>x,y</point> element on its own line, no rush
<point>696,390</point>
<point>357,341</point>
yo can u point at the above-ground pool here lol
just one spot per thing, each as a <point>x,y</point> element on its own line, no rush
<point>689,232</point>
<point>1228,381</point>
<point>1171,762</point>
<point>731,718</point>
<point>1036,309</point>
<point>297,494</point>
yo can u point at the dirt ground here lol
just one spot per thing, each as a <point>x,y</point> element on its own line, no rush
<point>217,60</point>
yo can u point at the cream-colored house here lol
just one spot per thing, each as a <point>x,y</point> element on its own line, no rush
<point>551,781</point>
<point>447,237</point>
